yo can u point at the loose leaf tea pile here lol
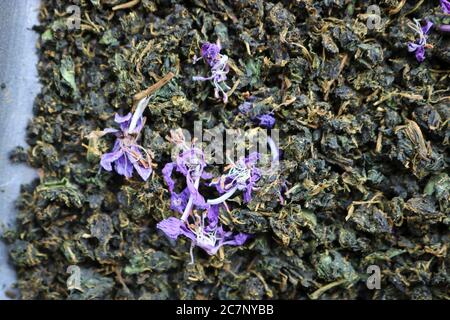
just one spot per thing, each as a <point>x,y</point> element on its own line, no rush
<point>363,181</point>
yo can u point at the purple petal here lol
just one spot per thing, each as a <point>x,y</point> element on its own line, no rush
<point>110,130</point>
<point>252,158</point>
<point>108,158</point>
<point>171,227</point>
<point>412,46</point>
<point>143,171</point>
<point>238,240</point>
<point>445,5</point>
<point>248,193</point>
<point>206,175</point>
<point>420,54</point>
<point>209,249</point>
<point>134,157</point>
<point>139,125</point>
<point>124,166</point>
<point>426,28</point>
<point>178,201</point>
<point>444,27</point>
<point>197,199</point>
<point>266,121</point>
<point>167,174</point>
<point>188,233</point>
<point>120,119</point>
<point>213,217</point>
<point>124,121</point>
<point>210,52</point>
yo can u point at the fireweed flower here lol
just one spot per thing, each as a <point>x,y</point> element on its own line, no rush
<point>127,155</point>
<point>190,162</point>
<point>219,68</point>
<point>241,175</point>
<point>210,52</point>
<point>204,232</point>
<point>266,120</point>
<point>419,46</point>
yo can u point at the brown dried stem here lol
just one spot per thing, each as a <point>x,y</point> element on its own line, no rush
<point>153,88</point>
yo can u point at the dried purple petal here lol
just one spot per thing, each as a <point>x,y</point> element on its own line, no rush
<point>171,227</point>
<point>237,240</point>
<point>210,52</point>
<point>108,158</point>
<point>167,174</point>
<point>219,69</point>
<point>124,167</point>
<point>266,120</point>
<point>210,236</point>
<point>427,27</point>
<point>445,5</point>
<point>243,175</point>
<point>178,201</point>
<point>126,155</point>
<point>204,231</point>
<point>190,163</point>
<point>419,46</point>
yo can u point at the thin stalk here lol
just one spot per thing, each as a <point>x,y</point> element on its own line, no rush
<point>138,113</point>
<point>188,208</point>
<point>223,197</point>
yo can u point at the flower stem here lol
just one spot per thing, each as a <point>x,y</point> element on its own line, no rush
<point>188,208</point>
<point>223,197</point>
<point>138,113</point>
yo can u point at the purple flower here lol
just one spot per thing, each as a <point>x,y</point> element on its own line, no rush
<point>242,175</point>
<point>445,5</point>
<point>219,69</point>
<point>167,174</point>
<point>419,46</point>
<point>204,232</point>
<point>418,49</point>
<point>190,162</point>
<point>211,52</point>
<point>266,120</point>
<point>127,155</point>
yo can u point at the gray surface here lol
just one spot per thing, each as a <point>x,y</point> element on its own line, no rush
<point>18,72</point>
